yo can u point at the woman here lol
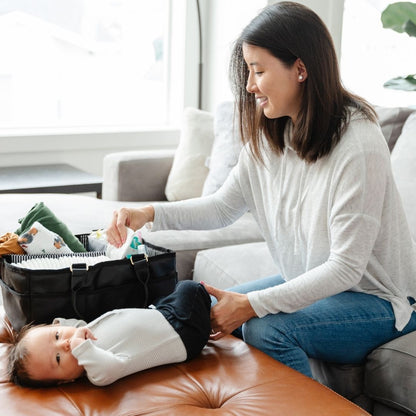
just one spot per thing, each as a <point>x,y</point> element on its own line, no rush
<point>315,173</point>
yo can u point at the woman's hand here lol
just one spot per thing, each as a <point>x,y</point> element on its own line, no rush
<point>133,218</point>
<point>231,311</point>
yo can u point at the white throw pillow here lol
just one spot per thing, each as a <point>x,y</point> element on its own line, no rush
<point>226,148</point>
<point>189,172</point>
<point>403,162</point>
<point>391,121</point>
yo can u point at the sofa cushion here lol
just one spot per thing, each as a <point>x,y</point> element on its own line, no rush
<point>346,379</point>
<point>391,122</point>
<point>391,374</point>
<point>403,161</point>
<point>189,172</point>
<point>230,266</point>
<point>226,147</point>
<point>137,175</point>
<point>382,410</point>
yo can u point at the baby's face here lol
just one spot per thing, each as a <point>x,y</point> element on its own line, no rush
<point>50,353</point>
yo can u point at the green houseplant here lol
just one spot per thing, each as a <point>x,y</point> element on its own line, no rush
<point>401,17</point>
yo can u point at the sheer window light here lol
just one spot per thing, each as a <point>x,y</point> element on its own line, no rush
<point>371,54</point>
<point>84,63</point>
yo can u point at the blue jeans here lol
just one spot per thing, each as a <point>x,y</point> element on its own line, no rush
<point>343,328</point>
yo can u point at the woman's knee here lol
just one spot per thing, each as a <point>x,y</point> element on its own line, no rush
<point>255,332</point>
<point>272,332</point>
<point>275,342</point>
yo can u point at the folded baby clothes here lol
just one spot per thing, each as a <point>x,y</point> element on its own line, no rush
<point>39,240</point>
<point>9,244</point>
<point>133,245</point>
<point>41,213</point>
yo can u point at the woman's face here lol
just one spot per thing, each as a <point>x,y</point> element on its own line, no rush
<point>277,88</point>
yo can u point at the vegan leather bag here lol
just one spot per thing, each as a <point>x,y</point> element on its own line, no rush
<point>82,292</point>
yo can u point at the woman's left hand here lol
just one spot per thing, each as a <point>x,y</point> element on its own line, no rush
<point>231,311</point>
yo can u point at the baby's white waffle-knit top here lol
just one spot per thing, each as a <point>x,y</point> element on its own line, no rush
<point>128,341</point>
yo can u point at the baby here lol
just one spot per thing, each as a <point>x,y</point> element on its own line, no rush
<point>116,344</point>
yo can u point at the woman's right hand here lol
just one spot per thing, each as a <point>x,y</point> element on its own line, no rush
<point>133,218</point>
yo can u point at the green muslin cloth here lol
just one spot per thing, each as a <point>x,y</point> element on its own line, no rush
<point>40,212</point>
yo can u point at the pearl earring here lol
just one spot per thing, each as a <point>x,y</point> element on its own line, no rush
<point>300,77</point>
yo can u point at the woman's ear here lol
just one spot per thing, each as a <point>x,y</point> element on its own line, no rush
<point>301,70</point>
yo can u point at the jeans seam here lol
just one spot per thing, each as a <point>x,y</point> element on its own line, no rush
<point>343,322</point>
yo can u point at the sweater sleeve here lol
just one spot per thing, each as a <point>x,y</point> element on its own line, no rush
<point>210,212</point>
<point>102,367</point>
<point>356,199</point>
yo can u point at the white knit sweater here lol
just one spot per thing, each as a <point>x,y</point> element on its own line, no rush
<point>333,225</point>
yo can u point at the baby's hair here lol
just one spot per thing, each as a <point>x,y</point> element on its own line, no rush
<point>17,361</point>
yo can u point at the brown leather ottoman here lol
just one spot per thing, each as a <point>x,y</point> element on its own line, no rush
<point>228,378</point>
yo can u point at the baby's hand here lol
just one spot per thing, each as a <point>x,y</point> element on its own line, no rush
<point>80,335</point>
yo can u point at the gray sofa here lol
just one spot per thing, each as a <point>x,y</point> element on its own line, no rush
<point>383,384</point>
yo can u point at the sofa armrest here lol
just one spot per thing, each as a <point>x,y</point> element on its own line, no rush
<point>136,175</point>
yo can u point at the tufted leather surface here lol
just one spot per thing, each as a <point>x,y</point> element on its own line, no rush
<point>228,378</point>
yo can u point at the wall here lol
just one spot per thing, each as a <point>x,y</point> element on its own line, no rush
<point>225,20</point>
<point>331,12</point>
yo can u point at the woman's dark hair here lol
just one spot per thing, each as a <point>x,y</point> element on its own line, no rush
<point>290,31</point>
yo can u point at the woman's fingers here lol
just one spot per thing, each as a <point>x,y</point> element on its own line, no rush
<point>217,293</point>
<point>134,218</point>
<point>117,231</point>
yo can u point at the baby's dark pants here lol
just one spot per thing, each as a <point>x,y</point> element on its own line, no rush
<point>187,309</point>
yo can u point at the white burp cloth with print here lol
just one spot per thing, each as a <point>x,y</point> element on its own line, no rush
<point>39,240</point>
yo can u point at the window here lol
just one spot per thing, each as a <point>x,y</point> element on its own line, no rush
<point>371,55</point>
<point>85,63</point>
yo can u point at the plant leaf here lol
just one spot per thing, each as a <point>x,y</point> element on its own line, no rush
<point>410,28</point>
<point>400,17</point>
<point>402,83</point>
